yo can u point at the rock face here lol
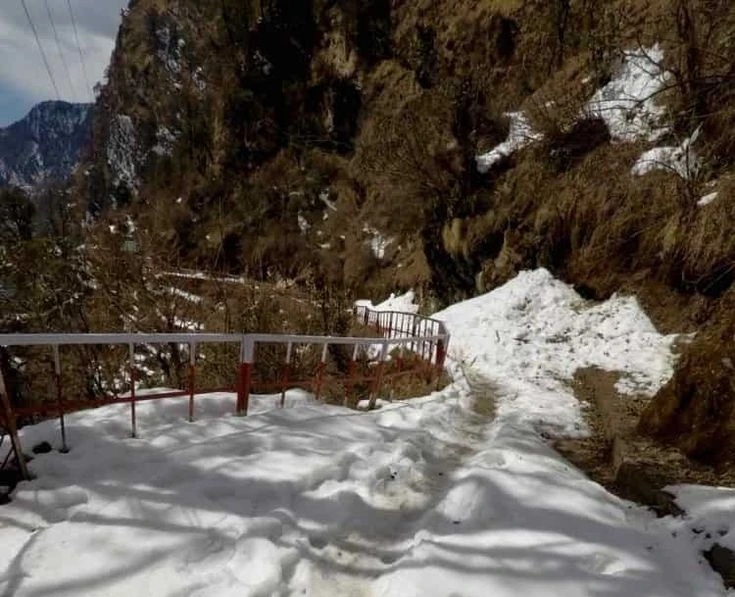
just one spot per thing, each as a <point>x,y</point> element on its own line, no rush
<point>45,146</point>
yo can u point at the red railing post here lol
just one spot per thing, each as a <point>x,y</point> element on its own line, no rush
<point>379,376</point>
<point>12,429</point>
<point>320,373</point>
<point>245,377</point>
<point>351,373</point>
<point>59,398</point>
<point>133,422</point>
<point>441,355</point>
<point>286,374</point>
<point>192,379</point>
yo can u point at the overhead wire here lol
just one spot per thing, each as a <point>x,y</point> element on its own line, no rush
<point>40,47</point>
<point>58,47</point>
<point>79,47</point>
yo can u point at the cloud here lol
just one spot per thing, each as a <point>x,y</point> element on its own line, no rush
<point>22,73</point>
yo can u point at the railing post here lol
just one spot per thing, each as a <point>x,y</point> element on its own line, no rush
<point>59,397</point>
<point>379,376</point>
<point>247,355</point>
<point>320,372</point>
<point>192,378</point>
<point>351,372</point>
<point>441,355</point>
<point>390,325</point>
<point>399,359</point>
<point>12,429</point>
<point>133,422</point>
<point>286,374</point>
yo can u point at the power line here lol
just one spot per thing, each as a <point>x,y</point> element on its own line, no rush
<point>79,47</point>
<point>58,46</point>
<point>40,47</point>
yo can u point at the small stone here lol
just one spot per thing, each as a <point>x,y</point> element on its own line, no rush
<point>42,448</point>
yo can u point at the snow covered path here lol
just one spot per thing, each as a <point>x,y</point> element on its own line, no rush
<point>422,498</point>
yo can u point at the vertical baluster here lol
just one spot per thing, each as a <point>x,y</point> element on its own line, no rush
<point>133,421</point>
<point>192,378</point>
<point>59,397</point>
<point>286,374</point>
<point>320,372</point>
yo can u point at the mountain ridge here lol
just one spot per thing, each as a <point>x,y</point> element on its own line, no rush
<point>45,145</point>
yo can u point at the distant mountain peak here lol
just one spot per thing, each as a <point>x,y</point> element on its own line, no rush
<point>45,145</point>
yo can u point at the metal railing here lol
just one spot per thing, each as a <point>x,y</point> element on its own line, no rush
<point>403,334</point>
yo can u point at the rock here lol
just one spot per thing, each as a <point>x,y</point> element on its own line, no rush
<point>42,448</point>
<point>722,561</point>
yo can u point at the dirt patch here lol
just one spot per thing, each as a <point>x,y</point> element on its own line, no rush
<point>484,393</point>
<point>618,457</point>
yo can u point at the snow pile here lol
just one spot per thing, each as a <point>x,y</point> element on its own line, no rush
<point>520,135</point>
<point>627,103</point>
<point>707,199</point>
<point>404,302</point>
<point>532,334</point>
<point>682,160</point>
<point>710,514</point>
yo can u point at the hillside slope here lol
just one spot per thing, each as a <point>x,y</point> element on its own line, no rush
<point>443,145</point>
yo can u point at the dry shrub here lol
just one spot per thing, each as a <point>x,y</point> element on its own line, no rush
<point>413,269</point>
<point>695,410</point>
<point>708,249</point>
<point>558,104</point>
<point>410,158</point>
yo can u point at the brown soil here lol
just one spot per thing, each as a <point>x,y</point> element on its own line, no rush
<point>618,457</point>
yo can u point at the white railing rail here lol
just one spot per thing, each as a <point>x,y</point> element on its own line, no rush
<point>407,332</point>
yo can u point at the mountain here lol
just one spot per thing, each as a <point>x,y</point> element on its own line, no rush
<point>44,146</point>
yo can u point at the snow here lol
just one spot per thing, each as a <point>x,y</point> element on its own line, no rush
<point>303,223</point>
<point>165,141</point>
<point>627,103</point>
<point>533,333</point>
<point>122,151</point>
<point>681,159</point>
<point>707,199</point>
<point>187,324</point>
<point>420,498</point>
<point>194,275</point>
<point>710,514</point>
<point>402,302</point>
<point>328,203</point>
<point>377,243</point>
<point>188,296</point>
<point>520,135</point>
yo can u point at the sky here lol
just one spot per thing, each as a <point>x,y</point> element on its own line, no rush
<point>23,78</point>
